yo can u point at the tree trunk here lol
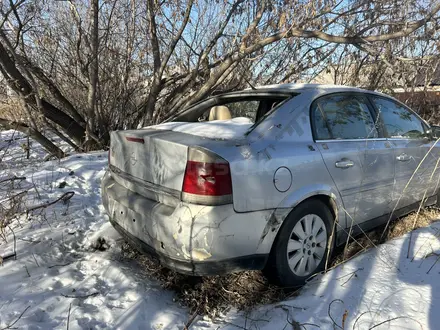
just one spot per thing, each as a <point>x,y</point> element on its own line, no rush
<point>33,133</point>
<point>93,71</point>
<point>17,82</point>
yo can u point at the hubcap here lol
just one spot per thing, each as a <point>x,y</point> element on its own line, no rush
<point>306,246</point>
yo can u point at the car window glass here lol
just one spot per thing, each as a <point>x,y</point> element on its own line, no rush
<point>246,109</point>
<point>399,122</point>
<point>343,117</point>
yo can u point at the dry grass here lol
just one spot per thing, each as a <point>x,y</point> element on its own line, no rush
<point>214,295</point>
<point>210,295</point>
<point>405,225</point>
<point>397,228</point>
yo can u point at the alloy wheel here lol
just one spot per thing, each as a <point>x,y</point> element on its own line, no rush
<point>307,244</point>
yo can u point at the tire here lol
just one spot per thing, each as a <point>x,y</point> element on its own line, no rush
<point>307,256</point>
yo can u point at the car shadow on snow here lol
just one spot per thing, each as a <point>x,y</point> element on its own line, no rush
<point>379,285</point>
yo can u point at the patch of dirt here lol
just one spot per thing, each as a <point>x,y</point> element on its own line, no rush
<point>100,244</point>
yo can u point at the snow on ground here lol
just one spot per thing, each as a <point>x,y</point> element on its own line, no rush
<point>58,269</point>
<point>217,129</point>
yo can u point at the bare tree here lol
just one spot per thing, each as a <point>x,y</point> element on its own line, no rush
<point>91,67</point>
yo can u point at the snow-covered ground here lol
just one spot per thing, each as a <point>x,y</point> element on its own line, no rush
<point>60,281</point>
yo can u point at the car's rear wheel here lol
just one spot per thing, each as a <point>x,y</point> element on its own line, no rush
<point>302,244</point>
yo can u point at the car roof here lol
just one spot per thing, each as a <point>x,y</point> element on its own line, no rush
<point>320,87</point>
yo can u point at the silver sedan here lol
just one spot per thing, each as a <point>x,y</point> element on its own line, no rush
<point>270,178</point>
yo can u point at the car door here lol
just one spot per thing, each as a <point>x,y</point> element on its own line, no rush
<point>435,161</point>
<point>357,157</point>
<point>407,134</point>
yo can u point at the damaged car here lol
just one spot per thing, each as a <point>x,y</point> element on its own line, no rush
<point>271,178</point>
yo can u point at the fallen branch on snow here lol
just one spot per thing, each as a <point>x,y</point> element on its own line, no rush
<point>396,318</point>
<point>6,257</point>
<point>81,297</point>
<point>64,197</point>
<point>18,318</point>
<point>14,178</point>
<point>61,265</point>
<point>329,312</point>
<point>68,316</point>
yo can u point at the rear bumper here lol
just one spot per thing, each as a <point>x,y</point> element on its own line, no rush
<point>190,239</point>
<point>252,262</point>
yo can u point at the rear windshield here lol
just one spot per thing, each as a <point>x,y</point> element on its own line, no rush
<point>250,109</point>
<point>229,106</point>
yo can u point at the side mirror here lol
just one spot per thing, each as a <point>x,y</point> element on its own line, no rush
<point>435,132</point>
<point>427,137</point>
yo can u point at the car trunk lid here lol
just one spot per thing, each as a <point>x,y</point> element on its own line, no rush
<point>149,156</point>
<point>152,162</point>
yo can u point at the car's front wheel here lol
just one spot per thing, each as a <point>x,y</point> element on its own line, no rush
<point>301,247</point>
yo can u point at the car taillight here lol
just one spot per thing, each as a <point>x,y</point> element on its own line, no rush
<point>207,179</point>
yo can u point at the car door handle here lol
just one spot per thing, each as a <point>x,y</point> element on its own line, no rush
<point>344,163</point>
<point>403,157</point>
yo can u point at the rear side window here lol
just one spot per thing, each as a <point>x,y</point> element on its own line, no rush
<point>342,117</point>
<point>399,122</point>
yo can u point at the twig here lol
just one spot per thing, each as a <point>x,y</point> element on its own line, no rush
<point>14,178</point>
<point>64,197</point>
<point>61,265</point>
<point>329,312</point>
<point>341,277</point>
<point>311,324</point>
<point>410,239</point>
<point>191,319</point>
<point>35,187</point>
<point>68,316</point>
<point>18,318</point>
<point>47,220</point>
<point>330,244</point>
<point>81,297</point>
<point>359,317</point>
<point>436,260</point>
<point>352,274</point>
<point>431,255</point>
<point>396,318</point>
<point>33,255</point>
<point>295,325</point>
<point>27,270</point>
<point>15,242</point>
<point>286,307</point>
<point>16,195</point>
